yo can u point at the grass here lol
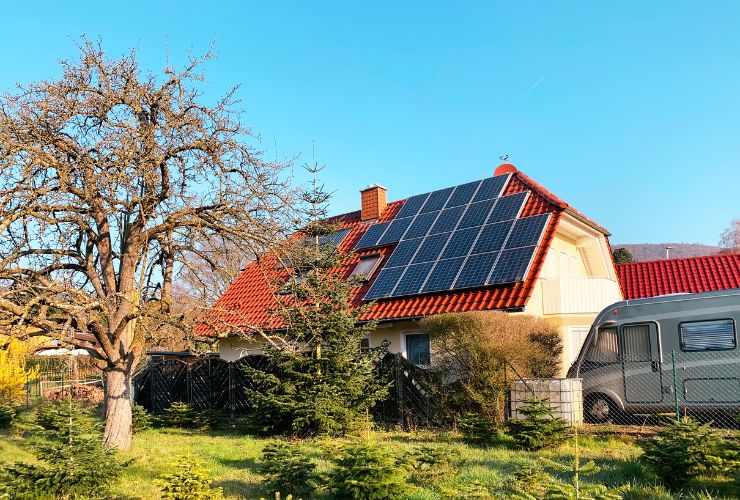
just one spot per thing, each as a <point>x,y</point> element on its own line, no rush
<point>230,457</point>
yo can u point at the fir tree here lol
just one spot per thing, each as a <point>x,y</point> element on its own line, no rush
<point>320,381</point>
<point>539,428</point>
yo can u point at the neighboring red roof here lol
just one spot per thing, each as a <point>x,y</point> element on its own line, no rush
<point>248,302</point>
<point>691,275</point>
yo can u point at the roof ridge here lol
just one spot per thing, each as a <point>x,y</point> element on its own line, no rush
<point>681,259</point>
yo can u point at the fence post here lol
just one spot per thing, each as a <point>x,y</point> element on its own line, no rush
<point>398,372</point>
<point>675,385</point>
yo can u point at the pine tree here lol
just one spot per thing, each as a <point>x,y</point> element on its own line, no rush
<point>539,428</point>
<point>320,382</point>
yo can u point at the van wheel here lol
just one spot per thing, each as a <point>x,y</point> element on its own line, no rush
<point>599,409</point>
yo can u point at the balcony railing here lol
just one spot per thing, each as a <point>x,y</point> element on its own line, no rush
<point>578,295</point>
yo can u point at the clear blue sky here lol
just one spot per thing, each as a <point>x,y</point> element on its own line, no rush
<point>630,111</point>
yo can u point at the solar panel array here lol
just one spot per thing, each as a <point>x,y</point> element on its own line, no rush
<point>461,237</point>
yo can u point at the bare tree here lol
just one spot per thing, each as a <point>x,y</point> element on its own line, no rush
<point>111,178</point>
<point>730,238</point>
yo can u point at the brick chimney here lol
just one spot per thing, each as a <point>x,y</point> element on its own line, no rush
<point>373,201</point>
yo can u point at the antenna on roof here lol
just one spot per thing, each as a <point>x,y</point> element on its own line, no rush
<point>504,158</point>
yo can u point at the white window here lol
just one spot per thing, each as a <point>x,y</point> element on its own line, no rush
<point>417,348</point>
<point>714,335</point>
<point>574,343</point>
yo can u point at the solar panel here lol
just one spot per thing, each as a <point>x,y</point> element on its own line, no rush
<point>395,231</point>
<point>334,239</point>
<point>460,243</point>
<point>492,237</point>
<point>443,275</point>
<point>463,194</point>
<point>431,247</point>
<point>508,207</point>
<point>437,200</point>
<point>412,206</point>
<point>372,235</point>
<point>384,283</point>
<point>527,231</point>
<point>421,225</point>
<point>475,215</point>
<point>475,270</point>
<point>412,280</point>
<point>447,220</point>
<point>512,266</point>
<point>491,188</point>
<point>403,253</point>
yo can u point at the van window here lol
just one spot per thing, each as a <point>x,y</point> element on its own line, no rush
<point>714,335</point>
<point>603,351</point>
<point>636,343</point>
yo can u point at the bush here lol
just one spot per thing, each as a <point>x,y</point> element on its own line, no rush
<point>367,472</point>
<point>183,416</point>
<point>684,450</point>
<point>476,429</point>
<point>189,482</point>
<point>539,428</point>
<point>71,461</point>
<point>8,412</point>
<point>140,419</point>
<point>288,469</point>
<point>428,463</point>
<point>472,354</point>
<point>13,371</point>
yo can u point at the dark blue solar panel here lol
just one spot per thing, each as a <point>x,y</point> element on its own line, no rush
<point>512,265</point>
<point>527,231</point>
<point>475,215</point>
<point>436,200</point>
<point>492,187</point>
<point>411,281</point>
<point>460,243</point>
<point>334,239</point>
<point>384,283</point>
<point>447,220</point>
<point>412,206</point>
<point>443,275</point>
<point>372,235</point>
<point>463,194</point>
<point>508,207</point>
<point>395,231</point>
<point>403,253</point>
<point>475,270</point>
<point>420,226</point>
<point>431,247</point>
<point>492,237</point>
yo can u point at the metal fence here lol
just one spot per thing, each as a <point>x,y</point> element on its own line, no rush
<point>645,385</point>
<point>59,372</point>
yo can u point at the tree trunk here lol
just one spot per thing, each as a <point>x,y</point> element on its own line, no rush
<point>117,409</point>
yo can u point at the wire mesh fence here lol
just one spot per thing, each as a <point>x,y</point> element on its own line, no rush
<point>631,382</point>
<point>59,373</point>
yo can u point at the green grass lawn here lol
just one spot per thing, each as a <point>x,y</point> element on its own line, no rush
<point>231,457</point>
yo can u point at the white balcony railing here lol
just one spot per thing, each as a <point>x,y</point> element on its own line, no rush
<point>578,295</point>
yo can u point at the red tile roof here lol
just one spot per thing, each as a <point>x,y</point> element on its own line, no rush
<point>690,275</point>
<point>248,303</point>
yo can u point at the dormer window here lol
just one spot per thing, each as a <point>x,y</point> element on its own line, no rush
<point>367,266</point>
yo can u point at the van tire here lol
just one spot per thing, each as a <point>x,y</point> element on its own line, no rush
<point>599,409</point>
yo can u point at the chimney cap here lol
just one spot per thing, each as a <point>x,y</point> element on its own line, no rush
<point>374,186</point>
<point>504,168</point>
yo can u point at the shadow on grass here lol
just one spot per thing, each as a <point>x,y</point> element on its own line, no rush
<point>244,463</point>
<point>238,488</point>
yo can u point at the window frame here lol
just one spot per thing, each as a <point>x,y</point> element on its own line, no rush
<point>682,344</point>
<point>404,346</point>
<point>368,275</point>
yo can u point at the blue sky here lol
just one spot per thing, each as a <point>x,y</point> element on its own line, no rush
<point>630,111</point>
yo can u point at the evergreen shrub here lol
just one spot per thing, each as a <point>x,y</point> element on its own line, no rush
<point>476,429</point>
<point>367,472</point>
<point>539,428</point>
<point>683,450</point>
<point>8,412</point>
<point>189,481</point>
<point>140,419</point>
<point>288,469</point>
<point>429,462</point>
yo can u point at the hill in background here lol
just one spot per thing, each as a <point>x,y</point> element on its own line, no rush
<point>656,251</point>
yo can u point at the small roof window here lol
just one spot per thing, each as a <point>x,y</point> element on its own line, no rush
<point>367,266</point>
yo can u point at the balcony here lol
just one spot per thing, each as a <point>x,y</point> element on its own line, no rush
<point>578,295</point>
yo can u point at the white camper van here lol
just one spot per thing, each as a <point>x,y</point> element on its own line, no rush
<point>653,355</point>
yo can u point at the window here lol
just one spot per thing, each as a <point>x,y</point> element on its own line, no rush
<point>636,343</point>
<point>603,349</point>
<point>418,349</point>
<point>713,335</point>
<point>367,266</point>
<point>365,345</point>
